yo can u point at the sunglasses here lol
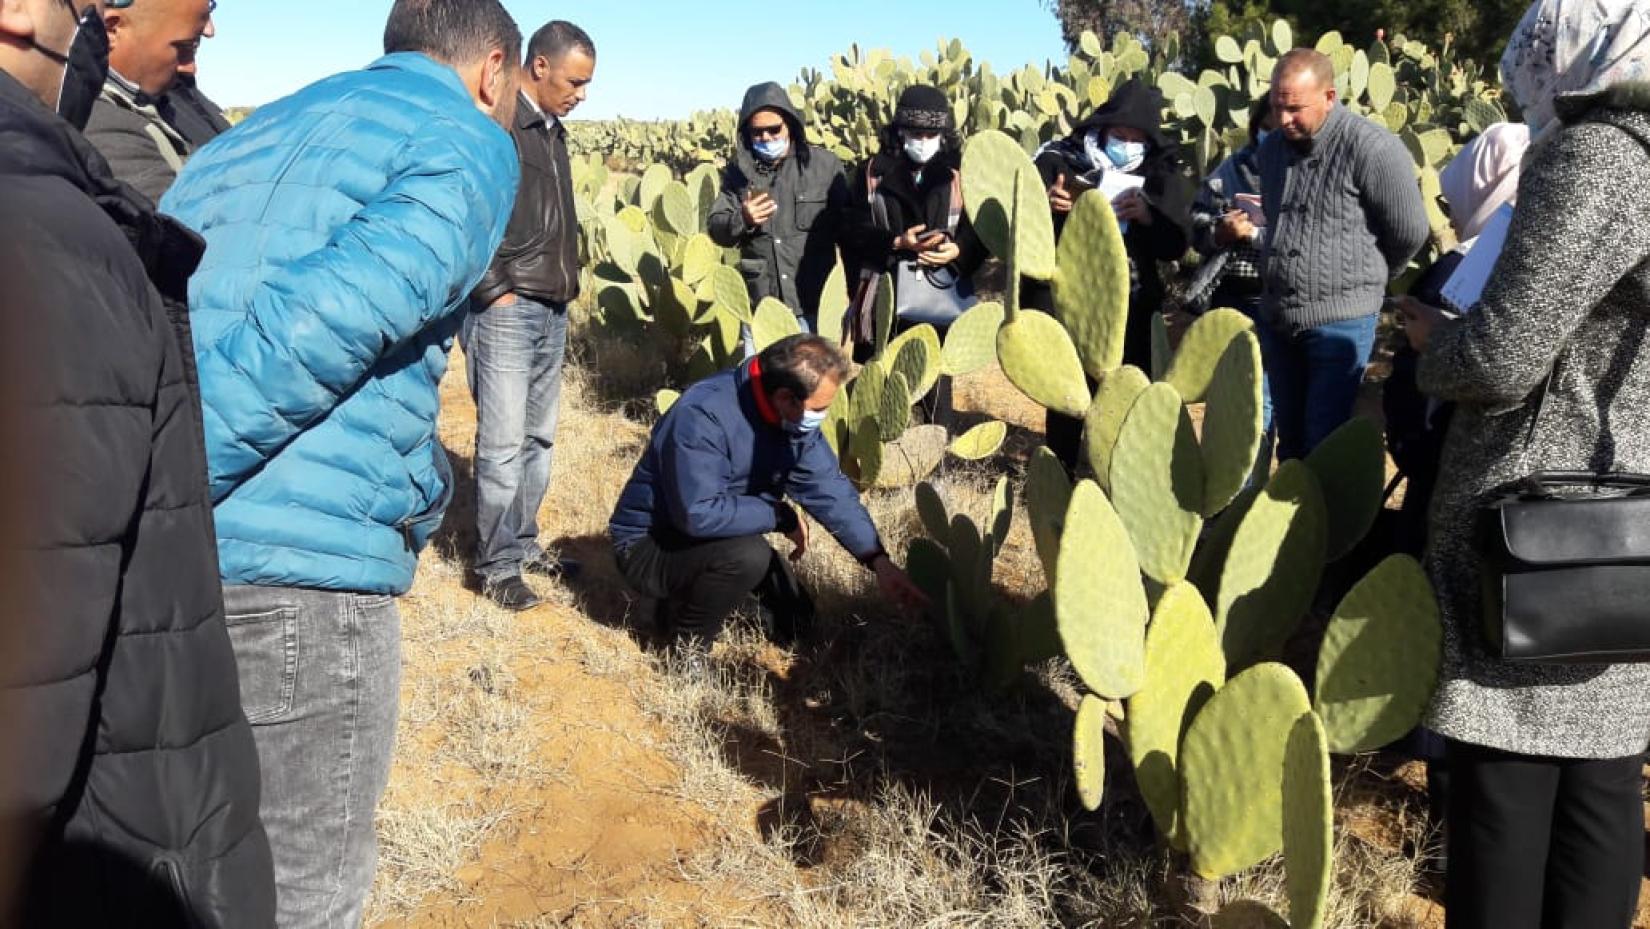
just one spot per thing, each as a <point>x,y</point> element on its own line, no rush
<point>770,131</point>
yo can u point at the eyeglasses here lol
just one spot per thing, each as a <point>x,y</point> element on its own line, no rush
<point>770,131</point>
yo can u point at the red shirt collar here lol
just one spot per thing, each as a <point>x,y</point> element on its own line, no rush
<point>764,406</point>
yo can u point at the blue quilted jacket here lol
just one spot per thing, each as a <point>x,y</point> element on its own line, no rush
<point>345,226</point>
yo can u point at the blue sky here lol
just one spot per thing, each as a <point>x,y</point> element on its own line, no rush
<point>655,59</point>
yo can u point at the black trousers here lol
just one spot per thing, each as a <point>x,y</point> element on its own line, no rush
<point>701,581</point>
<point>1543,843</point>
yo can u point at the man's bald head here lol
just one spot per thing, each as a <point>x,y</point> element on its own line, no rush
<point>151,39</point>
<point>1303,93</point>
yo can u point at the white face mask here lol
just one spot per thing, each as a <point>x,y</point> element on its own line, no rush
<point>922,151</point>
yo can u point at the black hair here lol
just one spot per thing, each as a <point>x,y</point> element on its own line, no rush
<point>452,31</point>
<point>799,363</point>
<point>1257,116</point>
<point>556,38</point>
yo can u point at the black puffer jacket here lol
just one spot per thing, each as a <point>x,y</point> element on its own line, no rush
<point>790,256</point>
<point>1168,190</point>
<point>137,778</point>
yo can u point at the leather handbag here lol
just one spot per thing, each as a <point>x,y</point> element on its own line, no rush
<point>931,295</point>
<point>1565,559</point>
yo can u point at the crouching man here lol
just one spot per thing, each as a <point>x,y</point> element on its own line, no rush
<point>715,479</point>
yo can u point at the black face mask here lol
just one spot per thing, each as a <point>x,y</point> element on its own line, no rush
<point>85,67</point>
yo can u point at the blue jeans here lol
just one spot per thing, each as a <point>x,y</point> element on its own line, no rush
<point>320,675</point>
<point>1314,378</point>
<point>513,355</point>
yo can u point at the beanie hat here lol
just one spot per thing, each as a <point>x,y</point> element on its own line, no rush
<point>924,107</point>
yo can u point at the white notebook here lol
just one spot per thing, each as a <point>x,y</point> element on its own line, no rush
<point>1466,286</point>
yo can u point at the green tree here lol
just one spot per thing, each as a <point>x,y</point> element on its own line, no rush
<point>1152,21</point>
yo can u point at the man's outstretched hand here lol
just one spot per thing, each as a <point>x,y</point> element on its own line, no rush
<point>896,585</point>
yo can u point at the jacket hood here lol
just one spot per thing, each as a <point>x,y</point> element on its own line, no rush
<point>771,96</point>
<point>1627,95</point>
<point>1135,105</point>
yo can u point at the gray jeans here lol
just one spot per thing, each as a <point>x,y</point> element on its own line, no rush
<point>320,680</point>
<point>513,354</point>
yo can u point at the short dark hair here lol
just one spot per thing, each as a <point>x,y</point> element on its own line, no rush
<point>1305,60</point>
<point>556,38</point>
<point>799,363</point>
<point>452,31</point>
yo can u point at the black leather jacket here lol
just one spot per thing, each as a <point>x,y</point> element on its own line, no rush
<point>539,258</point>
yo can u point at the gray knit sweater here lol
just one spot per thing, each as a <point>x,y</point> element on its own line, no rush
<point>1342,221</point>
<point>1570,297</point>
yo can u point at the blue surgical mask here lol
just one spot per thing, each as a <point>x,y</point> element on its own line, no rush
<point>771,150</point>
<point>809,423</point>
<point>1125,156</point>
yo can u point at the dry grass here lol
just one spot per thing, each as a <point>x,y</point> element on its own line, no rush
<point>861,780</point>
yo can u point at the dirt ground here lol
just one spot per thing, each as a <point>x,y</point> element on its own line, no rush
<point>553,771</point>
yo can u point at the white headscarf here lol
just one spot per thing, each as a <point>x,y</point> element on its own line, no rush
<point>1573,49</point>
<point>1484,176</point>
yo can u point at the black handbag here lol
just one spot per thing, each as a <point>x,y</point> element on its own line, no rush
<point>1566,568</point>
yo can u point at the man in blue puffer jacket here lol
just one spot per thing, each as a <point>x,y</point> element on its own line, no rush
<point>345,227</point>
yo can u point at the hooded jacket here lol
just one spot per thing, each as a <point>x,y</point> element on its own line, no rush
<point>138,770</point>
<point>1168,190</point>
<point>345,226</point>
<point>790,256</point>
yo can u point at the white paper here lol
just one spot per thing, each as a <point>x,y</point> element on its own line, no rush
<point>1466,286</point>
<point>1114,184</point>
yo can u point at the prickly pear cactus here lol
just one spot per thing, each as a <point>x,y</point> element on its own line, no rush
<point>931,509</point>
<point>971,343</point>
<point>1184,668</point>
<point>1048,497</point>
<point>1379,662</point>
<point>1308,823</point>
<point>1231,763</point>
<point>1201,349</point>
<point>1115,396</point>
<point>1157,483</point>
<point>1039,359</point>
<point>665,399</point>
<point>1162,351</point>
<point>1233,423</point>
<point>980,442</point>
<point>833,306</point>
<point>994,165</point>
<point>894,408</point>
<point>731,295</point>
<point>1091,288</point>
<point>1273,566</point>
<point>1350,465</point>
<point>1099,600</point>
<point>911,457</point>
<point>1088,744</point>
<point>773,322</point>
<point>916,354</point>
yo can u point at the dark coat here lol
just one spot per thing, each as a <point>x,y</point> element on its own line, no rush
<point>139,767</point>
<point>130,131</point>
<point>192,113</point>
<point>539,259</point>
<point>909,202</point>
<point>1168,191</point>
<point>717,468</point>
<point>790,256</point>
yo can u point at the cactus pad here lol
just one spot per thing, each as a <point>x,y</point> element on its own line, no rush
<point>729,287</point>
<point>665,399</point>
<point>916,355</point>
<point>995,170</point>
<point>1157,482</point>
<point>1002,514</point>
<point>1308,823</point>
<point>865,446</point>
<point>1099,600</point>
<point>1091,289</point>
<point>677,209</point>
<point>1113,399</point>
<point>774,321</point>
<point>1273,566</point>
<point>833,306</point>
<point>1351,468</point>
<point>1201,349</point>
<point>894,408</point>
<point>1184,668</point>
<point>1162,351</point>
<point>1039,359</point>
<point>1233,423</point>
<point>971,343</point>
<point>699,258</point>
<point>1088,751</point>
<point>980,442</point>
<point>1231,765</point>
<point>929,568</point>
<point>1048,496</point>
<point>931,510</point>
<point>1379,661</point>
